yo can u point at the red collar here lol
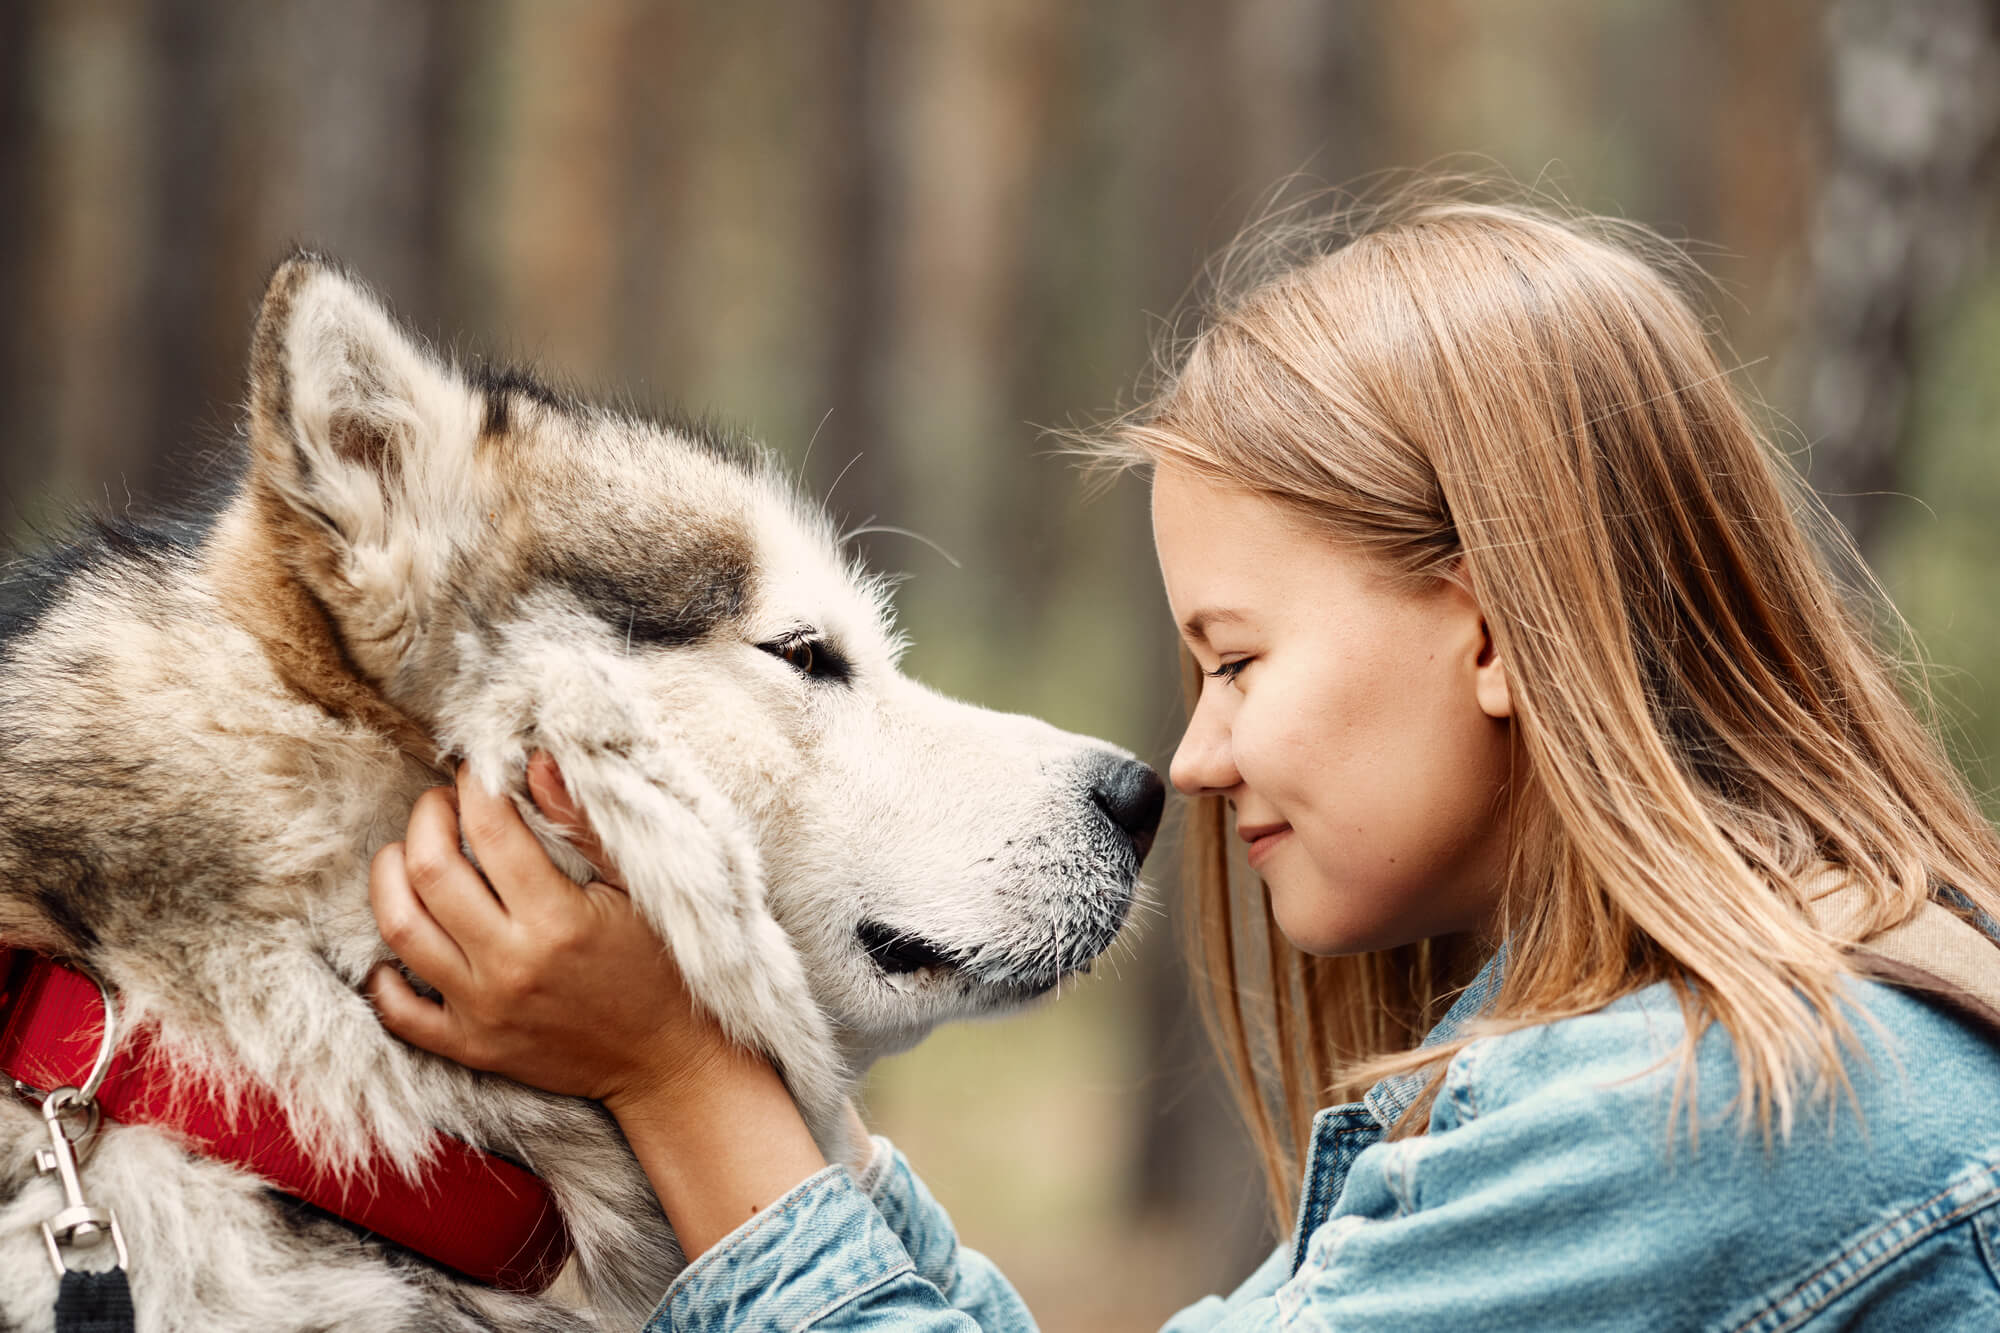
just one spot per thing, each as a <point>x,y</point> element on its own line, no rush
<point>474,1212</point>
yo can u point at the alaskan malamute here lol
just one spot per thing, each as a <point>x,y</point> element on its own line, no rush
<point>207,730</point>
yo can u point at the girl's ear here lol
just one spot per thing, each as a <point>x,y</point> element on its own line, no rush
<point>1489,672</point>
<point>1489,681</point>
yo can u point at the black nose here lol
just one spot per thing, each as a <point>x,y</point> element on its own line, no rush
<point>1133,796</point>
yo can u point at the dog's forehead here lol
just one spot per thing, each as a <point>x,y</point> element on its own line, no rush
<point>803,577</point>
<point>689,521</point>
<point>641,469</point>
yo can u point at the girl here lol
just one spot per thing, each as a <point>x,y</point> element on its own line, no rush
<point>1581,807</point>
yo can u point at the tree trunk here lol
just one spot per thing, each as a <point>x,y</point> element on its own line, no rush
<point>860,177</point>
<point>1903,200</point>
<point>20,427</point>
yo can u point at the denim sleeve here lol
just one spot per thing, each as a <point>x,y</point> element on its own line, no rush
<point>838,1254</point>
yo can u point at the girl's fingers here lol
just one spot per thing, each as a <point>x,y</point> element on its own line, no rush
<point>551,796</point>
<point>420,1022</point>
<point>523,877</point>
<point>450,887</point>
<point>408,927</point>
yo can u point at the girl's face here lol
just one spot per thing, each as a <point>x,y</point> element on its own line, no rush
<point>1357,730</point>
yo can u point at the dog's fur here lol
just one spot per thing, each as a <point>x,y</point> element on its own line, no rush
<point>206,733</point>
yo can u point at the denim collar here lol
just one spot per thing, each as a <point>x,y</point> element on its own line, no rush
<point>1387,1100</point>
<point>1342,1133</point>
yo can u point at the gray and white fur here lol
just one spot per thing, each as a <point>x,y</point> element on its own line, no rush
<point>207,731</point>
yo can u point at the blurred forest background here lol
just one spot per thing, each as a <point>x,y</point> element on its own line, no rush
<point>894,238</point>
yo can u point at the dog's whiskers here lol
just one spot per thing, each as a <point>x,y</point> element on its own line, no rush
<point>814,439</point>
<point>865,529</point>
<point>827,499</point>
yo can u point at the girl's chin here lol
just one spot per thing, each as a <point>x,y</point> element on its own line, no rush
<point>1301,904</point>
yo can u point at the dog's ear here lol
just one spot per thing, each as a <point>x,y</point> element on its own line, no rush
<point>352,418</point>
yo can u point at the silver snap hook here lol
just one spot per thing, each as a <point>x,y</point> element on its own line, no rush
<point>78,1224</point>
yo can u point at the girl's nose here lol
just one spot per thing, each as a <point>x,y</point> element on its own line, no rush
<point>1202,764</point>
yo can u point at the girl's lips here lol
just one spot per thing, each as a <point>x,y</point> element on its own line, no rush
<point>1262,845</point>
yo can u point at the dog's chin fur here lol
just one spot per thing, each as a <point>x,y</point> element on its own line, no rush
<point>206,733</point>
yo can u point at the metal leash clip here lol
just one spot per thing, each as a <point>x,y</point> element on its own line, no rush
<point>79,1224</point>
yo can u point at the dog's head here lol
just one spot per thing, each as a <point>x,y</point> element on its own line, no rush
<point>505,565</point>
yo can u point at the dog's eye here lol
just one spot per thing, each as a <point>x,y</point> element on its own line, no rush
<point>813,658</point>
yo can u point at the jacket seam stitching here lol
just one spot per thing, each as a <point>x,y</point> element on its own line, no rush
<point>1294,1317</point>
<point>1987,1241</point>
<point>1463,1095</point>
<point>1396,1174</point>
<point>1870,1268</point>
<point>849,1296</point>
<point>1340,1137</point>
<point>1313,1187</point>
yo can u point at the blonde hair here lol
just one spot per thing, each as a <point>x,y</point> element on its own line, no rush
<point>1699,717</point>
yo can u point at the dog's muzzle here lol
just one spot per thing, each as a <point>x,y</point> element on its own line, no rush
<point>1041,947</point>
<point>897,954</point>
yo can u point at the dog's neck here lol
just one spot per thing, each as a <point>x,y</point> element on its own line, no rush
<point>245,563</point>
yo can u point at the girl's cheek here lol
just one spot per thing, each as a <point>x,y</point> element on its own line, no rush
<point>1250,745</point>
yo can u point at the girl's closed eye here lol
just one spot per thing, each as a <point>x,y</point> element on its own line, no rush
<point>1228,670</point>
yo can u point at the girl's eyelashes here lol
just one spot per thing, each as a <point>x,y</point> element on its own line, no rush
<point>1227,670</point>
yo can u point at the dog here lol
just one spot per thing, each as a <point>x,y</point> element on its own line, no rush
<point>208,728</point>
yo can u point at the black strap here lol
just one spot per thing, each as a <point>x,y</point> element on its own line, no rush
<point>94,1303</point>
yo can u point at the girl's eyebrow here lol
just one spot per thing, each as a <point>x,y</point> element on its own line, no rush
<point>1196,625</point>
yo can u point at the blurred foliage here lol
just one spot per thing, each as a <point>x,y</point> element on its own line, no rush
<point>1942,546</point>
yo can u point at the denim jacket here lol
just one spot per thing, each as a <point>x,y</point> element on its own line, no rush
<point>1558,1187</point>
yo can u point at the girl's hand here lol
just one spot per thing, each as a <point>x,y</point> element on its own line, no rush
<point>565,987</point>
<point>560,986</point>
